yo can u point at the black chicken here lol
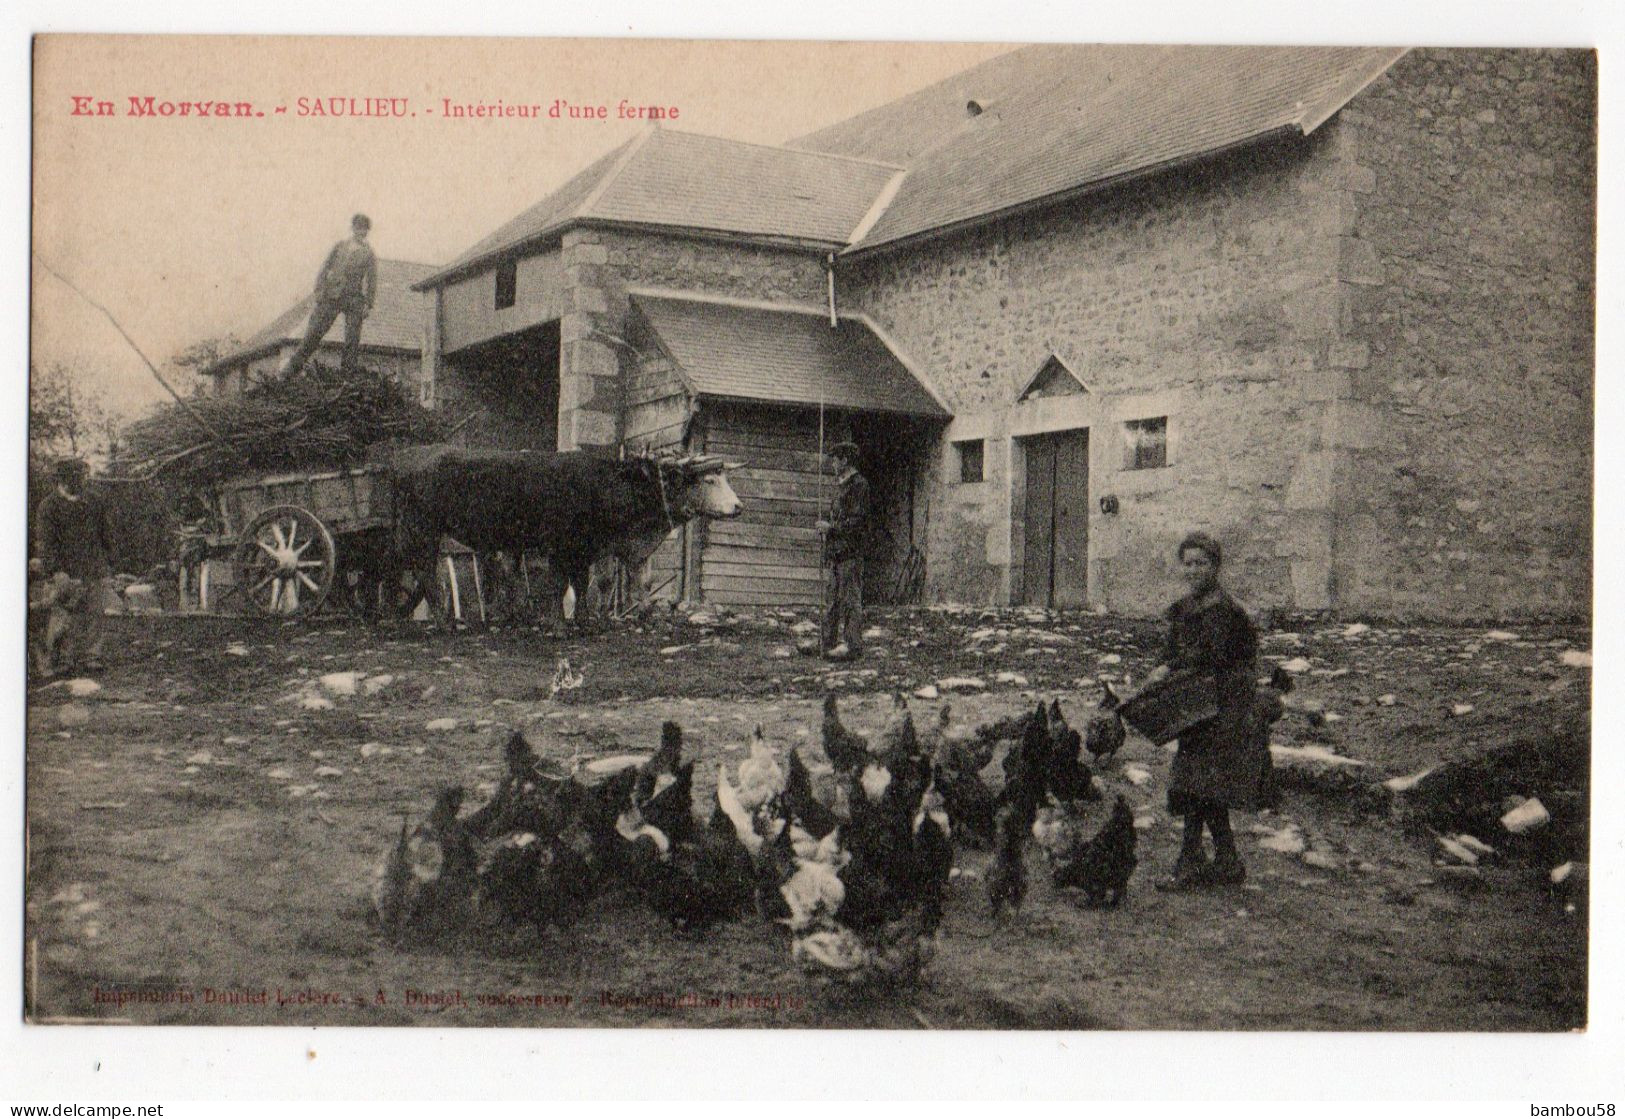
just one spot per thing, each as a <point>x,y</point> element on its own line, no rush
<point>1069,775</point>
<point>664,790</point>
<point>530,797</point>
<point>989,743</point>
<point>846,751</point>
<point>884,796</point>
<point>425,885</point>
<point>1104,733</point>
<point>1100,866</point>
<point>1269,701</point>
<point>879,841</point>
<point>663,761</point>
<point>970,804</point>
<point>802,805</point>
<point>1007,877</point>
<point>542,880</point>
<point>700,881</point>
<point>1269,705</point>
<point>933,857</point>
<point>954,770</point>
<point>1027,771</point>
<point>538,864</point>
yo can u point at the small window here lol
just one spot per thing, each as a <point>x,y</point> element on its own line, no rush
<point>1145,443</point>
<point>507,283</point>
<point>970,460</point>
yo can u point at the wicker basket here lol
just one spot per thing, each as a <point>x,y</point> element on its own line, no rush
<point>1163,710</point>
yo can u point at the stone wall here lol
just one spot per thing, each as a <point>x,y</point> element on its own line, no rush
<point>1206,296</point>
<point>601,264</point>
<point>1466,388</point>
<point>655,260</point>
<point>582,282</point>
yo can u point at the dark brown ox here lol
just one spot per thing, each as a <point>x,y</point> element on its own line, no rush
<point>573,508</point>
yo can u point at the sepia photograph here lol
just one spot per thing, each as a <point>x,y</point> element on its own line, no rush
<point>714,534</point>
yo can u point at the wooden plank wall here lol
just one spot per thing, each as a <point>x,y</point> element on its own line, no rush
<point>657,408</point>
<point>770,555</point>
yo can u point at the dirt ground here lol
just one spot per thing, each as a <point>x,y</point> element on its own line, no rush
<point>201,842</point>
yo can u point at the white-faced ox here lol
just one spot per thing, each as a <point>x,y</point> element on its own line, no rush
<point>573,508</point>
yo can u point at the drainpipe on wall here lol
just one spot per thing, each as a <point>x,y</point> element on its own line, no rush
<point>829,272</point>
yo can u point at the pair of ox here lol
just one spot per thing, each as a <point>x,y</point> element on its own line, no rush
<point>573,508</point>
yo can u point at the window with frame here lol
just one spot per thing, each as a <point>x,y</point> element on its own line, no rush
<point>507,283</point>
<point>1145,443</point>
<point>970,453</point>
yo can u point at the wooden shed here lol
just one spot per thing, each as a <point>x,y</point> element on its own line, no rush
<point>768,385</point>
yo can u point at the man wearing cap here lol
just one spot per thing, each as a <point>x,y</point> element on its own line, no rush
<point>844,535</point>
<point>347,285</point>
<point>72,537</point>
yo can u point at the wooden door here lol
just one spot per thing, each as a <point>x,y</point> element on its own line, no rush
<point>1071,566</point>
<point>1056,519</point>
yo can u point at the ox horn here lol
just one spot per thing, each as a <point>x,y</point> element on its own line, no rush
<point>702,464</point>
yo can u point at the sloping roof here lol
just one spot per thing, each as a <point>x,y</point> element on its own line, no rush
<point>1054,119</point>
<point>1058,118</point>
<point>784,355</point>
<point>548,215</point>
<point>396,321</point>
<point>686,180</point>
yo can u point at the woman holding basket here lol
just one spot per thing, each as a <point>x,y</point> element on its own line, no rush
<point>1222,760</point>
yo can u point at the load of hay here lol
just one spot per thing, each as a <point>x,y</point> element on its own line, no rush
<point>319,418</point>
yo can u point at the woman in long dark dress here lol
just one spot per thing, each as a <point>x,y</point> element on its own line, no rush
<point>1222,762</point>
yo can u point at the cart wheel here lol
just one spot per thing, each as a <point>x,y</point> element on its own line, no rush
<point>285,562</point>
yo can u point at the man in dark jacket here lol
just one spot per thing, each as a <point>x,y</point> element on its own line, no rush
<point>72,537</point>
<point>844,536</point>
<point>347,285</point>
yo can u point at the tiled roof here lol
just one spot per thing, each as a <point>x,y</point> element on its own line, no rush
<point>1058,118</point>
<point>396,321</point>
<point>1054,119</point>
<point>784,355</point>
<point>683,179</point>
<point>551,213</point>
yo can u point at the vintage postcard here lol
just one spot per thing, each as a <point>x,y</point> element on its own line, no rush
<point>560,533</point>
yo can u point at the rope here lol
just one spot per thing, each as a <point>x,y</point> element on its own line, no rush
<point>823,539</point>
<point>665,503</point>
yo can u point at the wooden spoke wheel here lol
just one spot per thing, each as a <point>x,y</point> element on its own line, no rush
<point>285,563</point>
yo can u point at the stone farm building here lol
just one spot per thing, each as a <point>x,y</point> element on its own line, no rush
<point>1334,305</point>
<point>391,337</point>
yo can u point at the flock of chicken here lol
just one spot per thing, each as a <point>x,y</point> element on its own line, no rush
<point>859,881</point>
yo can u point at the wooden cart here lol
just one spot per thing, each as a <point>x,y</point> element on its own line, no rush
<point>292,538</point>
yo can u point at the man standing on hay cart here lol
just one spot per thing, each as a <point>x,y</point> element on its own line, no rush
<point>347,285</point>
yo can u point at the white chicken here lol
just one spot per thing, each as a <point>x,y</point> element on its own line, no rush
<point>838,950</point>
<point>814,894</point>
<point>565,679</point>
<point>733,807</point>
<point>874,780</point>
<point>761,777</point>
